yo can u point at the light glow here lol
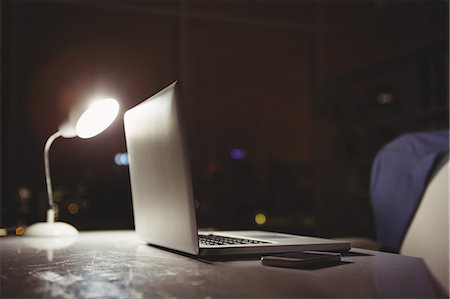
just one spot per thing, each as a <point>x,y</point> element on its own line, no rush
<point>260,218</point>
<point>97,118</point>
<point>73,208</point>
<point>121,159</point>
<point>20,230</point>
<point>238,154</point>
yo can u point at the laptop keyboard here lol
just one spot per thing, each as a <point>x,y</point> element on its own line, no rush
<point>220,240</point>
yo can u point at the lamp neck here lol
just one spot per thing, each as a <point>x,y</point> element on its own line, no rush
<point>47,167</point>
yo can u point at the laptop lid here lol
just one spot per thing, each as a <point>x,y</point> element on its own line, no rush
<point>160,175</point>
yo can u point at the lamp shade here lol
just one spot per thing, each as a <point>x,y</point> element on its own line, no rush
<point>97,118</point>
<point>86,122</point>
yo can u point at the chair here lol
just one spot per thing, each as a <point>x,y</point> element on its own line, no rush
<point>428,234</point>
<point>400,175</point>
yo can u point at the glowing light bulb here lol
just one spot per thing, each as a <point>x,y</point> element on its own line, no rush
<point>97,118</point>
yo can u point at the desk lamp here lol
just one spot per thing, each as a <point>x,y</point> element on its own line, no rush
<point>84,122</point>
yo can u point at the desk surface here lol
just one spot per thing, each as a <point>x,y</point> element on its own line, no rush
<point>118,264</point>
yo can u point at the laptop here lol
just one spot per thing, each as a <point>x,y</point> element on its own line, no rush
<point>162,189</point>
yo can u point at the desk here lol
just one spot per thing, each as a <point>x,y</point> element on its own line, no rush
<point>117,264</point>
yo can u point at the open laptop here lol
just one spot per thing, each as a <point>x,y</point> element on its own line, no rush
<point>162,190</point>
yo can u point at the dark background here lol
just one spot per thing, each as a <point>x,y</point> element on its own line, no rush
<point>310,90</point>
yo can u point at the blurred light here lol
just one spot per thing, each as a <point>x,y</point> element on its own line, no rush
<point>384,98</point>
<point>238,154</point>
<point>24,193</point>
<point>73,208</point>
<point>213,167</point>
<point>97,118</point>
<point>20,230</point>
<point>121,159</point>
<point>260,218</point>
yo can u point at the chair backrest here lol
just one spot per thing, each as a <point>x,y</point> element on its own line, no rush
<point>428,234</point>
<point>400,175</point>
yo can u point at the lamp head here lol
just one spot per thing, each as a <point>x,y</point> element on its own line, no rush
<point>87,122</point>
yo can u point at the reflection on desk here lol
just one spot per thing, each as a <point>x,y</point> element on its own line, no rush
<point>118,264</point>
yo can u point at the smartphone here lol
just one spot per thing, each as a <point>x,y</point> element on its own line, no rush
<point>305,259</point>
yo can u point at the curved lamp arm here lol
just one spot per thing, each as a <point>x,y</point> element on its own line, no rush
<point>47,173</point>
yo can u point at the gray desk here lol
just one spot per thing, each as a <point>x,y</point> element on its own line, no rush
<point>118,265</point>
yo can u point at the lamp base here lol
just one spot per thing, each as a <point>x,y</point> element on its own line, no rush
<point>51,229</point>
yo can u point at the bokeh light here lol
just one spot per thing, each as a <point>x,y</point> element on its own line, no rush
<point>260,218</point>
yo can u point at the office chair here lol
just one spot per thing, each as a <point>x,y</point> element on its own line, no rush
<point>428,234</point>
<point>401,173</point>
